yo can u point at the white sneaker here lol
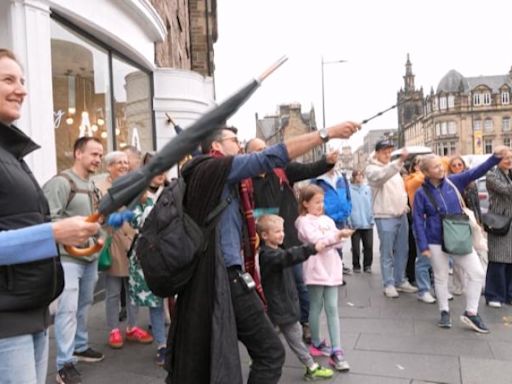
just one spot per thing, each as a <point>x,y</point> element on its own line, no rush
<point>406,287</point>
<point>390,291</point>
<point>494,304</point>
<point>427,298</point>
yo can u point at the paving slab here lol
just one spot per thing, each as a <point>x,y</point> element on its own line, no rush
<point>481,371</point>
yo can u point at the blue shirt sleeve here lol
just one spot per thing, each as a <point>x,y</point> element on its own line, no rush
<point>27,244</point>
<point>253,164</point>
<point>418,220</point>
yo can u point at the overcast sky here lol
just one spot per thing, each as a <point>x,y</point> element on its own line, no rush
<point>374,36</point>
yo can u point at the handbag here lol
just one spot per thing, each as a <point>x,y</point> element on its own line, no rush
<point>105,258</point>
<point>457,236</point>
<point>496,224</point>
<point>477,233</point>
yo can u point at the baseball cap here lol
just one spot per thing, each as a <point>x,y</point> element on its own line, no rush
<point>384,143</point>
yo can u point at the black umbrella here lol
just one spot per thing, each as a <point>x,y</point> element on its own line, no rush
<point>129,187</point>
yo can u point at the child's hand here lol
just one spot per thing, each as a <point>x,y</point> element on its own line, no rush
<point>345,232</point>
<point>320,246</point>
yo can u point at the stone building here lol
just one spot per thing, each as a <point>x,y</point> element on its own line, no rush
<point>466,115</point>
<point>109,69</point>
<point>289,121</point>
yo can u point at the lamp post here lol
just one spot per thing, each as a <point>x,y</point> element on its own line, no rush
<point>323,85</point>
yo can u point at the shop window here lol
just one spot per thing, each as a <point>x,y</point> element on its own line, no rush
<point>487,146</point>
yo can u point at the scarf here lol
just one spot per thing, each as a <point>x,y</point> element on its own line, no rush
<point>250,238</point>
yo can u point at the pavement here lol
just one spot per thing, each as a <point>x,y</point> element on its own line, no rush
<point>386,341</point>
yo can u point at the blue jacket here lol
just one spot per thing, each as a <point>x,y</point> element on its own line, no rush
<point>426,220</point>
<point>362,212</point>
<point>337,201</point>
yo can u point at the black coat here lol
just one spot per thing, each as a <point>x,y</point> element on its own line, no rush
<point>269,192</point>
<point>279,283</point>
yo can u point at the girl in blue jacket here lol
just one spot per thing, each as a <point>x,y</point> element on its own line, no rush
<point>428,230</point>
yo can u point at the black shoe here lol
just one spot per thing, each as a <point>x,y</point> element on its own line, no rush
<point>68,375</point>
<point>445,321</point>
<point>356,269</point>
<point>474,322</point>
<point>122,314</point>
<point>368,269</point>
<point>89,356</point>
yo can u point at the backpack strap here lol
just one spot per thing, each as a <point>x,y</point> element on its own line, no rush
<point>281,175</point>
<point>431,198</point>
<point>93,194</point>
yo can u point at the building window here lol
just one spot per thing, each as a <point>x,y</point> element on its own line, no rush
<point>452,128</point>
<point>477,125</point>
<point>487,146</point>
<point>438,129</point>
<point>505,124</point>
<point>505,97</point>
<point>446,148</point>
<point>487,98</point>
<point>451,101</point>
<point>442,102</point>
<point>444,128</point>
<point>90,99</point>
<point>488,126</point>
<point>506,141</point>
<point>476,99</point>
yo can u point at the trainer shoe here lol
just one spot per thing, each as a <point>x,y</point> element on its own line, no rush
<point>160,356</point>
<point>139,335</point>
<point>115,339</point>
<point>320,350</point>
<point>406,287</point>
<point>338,362</point>
<point>68,375</point>
<point>426,297</point>
<point>368,269</point>
<point>356,269</point>
<point>347,271</point>
<point>474,322</point>
<point>89,356</point>
<point>318,373</point>
<point>445,321</point>
<point>494,304</point>
<point>390,291</point>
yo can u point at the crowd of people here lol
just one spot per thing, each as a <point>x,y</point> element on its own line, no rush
<point>242,289</point>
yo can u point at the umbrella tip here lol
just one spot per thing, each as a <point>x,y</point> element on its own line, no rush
<point>272,68</point>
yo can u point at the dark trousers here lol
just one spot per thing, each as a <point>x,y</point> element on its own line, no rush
<point>303,293</point>
<point>498,282</point>
<point>410,269</point>
<point>257,333</point>
<point>366,236</point>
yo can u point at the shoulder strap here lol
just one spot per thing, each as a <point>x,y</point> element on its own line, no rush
<point>72,186</point>
<point>281,174</point>
<point>431,198</point>
<point>94,194</point>
<point>461,200</point>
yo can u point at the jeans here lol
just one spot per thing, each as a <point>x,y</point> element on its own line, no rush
<point>24,358</point>
<point>303,293</point>
<point>366,236</point>
<point>498,286</point>
<point>324,296</point>
<point>422,272</point>
<point>257,333</point>
<point>113,292</point>
<point>394,249</point>
<point>72,309</point>
<point>157,318</point>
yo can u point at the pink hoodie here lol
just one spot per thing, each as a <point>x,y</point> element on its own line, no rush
<point>324,268</point>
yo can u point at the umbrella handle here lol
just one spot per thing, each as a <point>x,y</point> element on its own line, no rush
<point>96,247</point>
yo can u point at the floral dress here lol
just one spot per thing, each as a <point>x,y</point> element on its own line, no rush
<point>140,294</point>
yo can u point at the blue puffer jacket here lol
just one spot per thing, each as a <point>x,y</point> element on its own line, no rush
<point>426,220</point>
<point>362,213</point>
<point>337,202</point>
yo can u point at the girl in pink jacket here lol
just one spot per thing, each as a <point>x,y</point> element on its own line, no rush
<point>322,274</point>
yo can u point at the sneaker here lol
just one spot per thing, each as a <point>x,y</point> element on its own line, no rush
<point>445,321</point>
<point>494,304</point>
<point>68,375</point>
<point>321,350</point>
<point>89,356</point>
<point>338,362</point>
<point>406,287</point>
<point>427,298</point>
<point>160,356</point>
<point>115,339</point>
<point>139,335</point>
<point>319,373</point>
<point>347,271</point>
<point>474,322</point>
<point>356,269</point>
<point>306,333</point>
<point>450,297</point>
<point>368,269</point>
<point>390,291</point>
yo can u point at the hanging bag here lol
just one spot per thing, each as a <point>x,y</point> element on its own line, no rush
<point>105,258</point>
<point>457,235</point>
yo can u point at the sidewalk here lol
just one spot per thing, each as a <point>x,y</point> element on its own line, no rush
<point>386,341</point>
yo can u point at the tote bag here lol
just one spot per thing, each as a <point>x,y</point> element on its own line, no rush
<point>105,258</point>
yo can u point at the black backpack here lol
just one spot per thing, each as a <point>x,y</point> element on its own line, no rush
<point>170,241</point>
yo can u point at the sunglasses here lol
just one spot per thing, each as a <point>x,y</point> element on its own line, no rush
<point>457,165</point>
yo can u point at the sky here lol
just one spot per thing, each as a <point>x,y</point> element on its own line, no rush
<point>373,36</point>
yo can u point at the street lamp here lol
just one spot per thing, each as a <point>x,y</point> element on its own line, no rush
<point>323,85</point>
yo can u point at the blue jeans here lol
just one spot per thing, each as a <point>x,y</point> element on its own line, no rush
<point>422,272</point>
<point>73,306</point>
<point>303,293</point>
<point>113,290</point>
<point>394,248</point>
<point>24,358</point>
<point>157,318</point>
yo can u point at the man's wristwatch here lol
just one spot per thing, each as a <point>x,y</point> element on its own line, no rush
<point>324,135</point>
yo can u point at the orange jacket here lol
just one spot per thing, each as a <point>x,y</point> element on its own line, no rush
<point>412,182</point>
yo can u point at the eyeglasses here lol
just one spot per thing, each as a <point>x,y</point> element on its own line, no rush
<point>457,165</point>
<point>233,138</point>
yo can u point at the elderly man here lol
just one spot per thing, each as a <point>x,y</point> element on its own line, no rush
<point>390,212</point>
